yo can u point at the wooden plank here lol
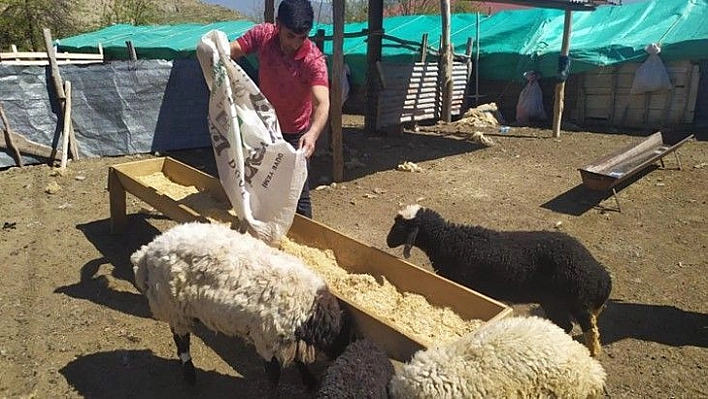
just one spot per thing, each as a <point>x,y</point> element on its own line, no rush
<point>373,57</point>
<point>26,146</point>
<point>8,141</point>
<point>132,54</point>
<point>602,164</point>
<point>338,69</point>
<point>43,56</point>
<point>67,126</point>
<point>45,63</point>
<point>423,47</point>
<point>598,102</point>
<point>690,105</point>
<point>581,101</point>
<point>117,203</point>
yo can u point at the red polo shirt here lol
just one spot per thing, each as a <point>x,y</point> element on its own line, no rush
<point>285,80</point>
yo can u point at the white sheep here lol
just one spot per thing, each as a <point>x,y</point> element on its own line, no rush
<point>237,285</point>
<point>515,357</point>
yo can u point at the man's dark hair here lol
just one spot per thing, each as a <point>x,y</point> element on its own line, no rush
<point>296,15</point>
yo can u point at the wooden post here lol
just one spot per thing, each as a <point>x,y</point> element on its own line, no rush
<point>269,11</point>
<point>9,143</point>
<point>446,62</point>
<point>319,39</point>
<point>476,62</point>
<point>13,48</point>
<point>560,87</point>
<point>116,199</point>
<point>468,70</point>
<point>373,55</point>
<point>67,126</point>
<point>336,94</point>
<point>132,55</point>
<point>51,55</point>
<point>59,87</point>
<point>424,47</point>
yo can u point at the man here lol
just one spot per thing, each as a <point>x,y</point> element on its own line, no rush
<point>293,76</point>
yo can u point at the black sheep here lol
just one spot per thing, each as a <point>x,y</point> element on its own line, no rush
<point>550,268</point>
<point>362,371</point>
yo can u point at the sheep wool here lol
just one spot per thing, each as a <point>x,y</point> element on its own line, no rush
<point>363,371</point>
<point>516,357</point>
<point>234,284</point>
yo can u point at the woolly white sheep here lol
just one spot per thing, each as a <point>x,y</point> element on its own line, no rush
<point>363,371</point>
<point>237,285</point>
<point>515,357</point>
<point>546,267</point>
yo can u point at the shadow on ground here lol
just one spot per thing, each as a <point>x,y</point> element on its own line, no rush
<point>580,199</point>
<point>116,250</point>
<point>142,374</point>
<point>662,324</point>
<point>667,325</point>
<point>364,154</point>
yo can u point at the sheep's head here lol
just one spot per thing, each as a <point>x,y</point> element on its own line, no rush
<point>404,230</point>
<point>325,331</point>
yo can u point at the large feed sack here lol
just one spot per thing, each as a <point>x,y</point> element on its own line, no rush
<point>260,172</point>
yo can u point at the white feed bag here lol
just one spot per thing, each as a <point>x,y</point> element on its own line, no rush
<point>260,172</point>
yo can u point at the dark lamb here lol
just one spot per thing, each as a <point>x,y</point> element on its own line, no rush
<point>363,371</point>
<point>550,268</point>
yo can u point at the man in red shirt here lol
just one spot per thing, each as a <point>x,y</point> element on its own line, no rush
<point>292,75</point>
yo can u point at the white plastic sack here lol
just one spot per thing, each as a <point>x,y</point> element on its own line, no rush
<point>260,172</point>
<point>652,74</point>
<point>530,104</point>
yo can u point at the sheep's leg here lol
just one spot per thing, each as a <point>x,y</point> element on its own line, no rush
<point>272,370</point>
<point>558,314</point>
<point>182,342</point>
<point>591,333</point>
<point>308,379</point>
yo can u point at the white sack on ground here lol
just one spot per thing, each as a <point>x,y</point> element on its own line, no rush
<point>260,172</point>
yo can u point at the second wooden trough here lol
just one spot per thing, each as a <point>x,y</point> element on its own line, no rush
<point>605,173</point>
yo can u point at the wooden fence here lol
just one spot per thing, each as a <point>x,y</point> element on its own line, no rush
<point>28,58</point>
<point>604,97</point>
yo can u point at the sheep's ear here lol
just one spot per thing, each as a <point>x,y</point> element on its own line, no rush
<point>409,242</point>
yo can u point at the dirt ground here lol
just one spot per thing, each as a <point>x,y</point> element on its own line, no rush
<point>74,326</point>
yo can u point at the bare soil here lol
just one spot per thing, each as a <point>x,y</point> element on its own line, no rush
<point>73,325</point>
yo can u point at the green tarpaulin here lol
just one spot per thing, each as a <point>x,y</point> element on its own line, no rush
<point>511,42</point>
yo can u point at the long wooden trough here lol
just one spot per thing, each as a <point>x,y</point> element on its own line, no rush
<point>352,255</point>
<point>606,172</point>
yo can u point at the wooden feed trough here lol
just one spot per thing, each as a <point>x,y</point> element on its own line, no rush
<point>607,172</point>
<point>352,255</point>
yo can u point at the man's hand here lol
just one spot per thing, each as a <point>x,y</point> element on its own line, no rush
<point>320,113</point>
<point>307,143</point>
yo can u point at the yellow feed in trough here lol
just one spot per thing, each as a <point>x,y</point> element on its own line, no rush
<point>410,313</point>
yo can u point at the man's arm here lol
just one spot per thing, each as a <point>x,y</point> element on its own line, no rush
<point>236,51</point>
<point>320,116</point>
